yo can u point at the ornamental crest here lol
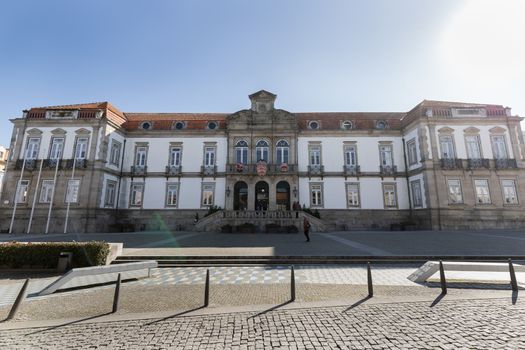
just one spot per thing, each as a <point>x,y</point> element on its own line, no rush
<point>284,167</point>
<point>262,167</point>
<point>239,167</point>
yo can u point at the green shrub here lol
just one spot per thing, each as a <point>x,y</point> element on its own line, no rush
<point>212,209</point>
<point>45,255</point>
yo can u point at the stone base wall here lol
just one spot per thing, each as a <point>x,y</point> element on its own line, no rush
<point>107,220</point>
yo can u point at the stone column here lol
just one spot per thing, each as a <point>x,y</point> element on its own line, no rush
<point>272,196</point>
<point>251,195</point>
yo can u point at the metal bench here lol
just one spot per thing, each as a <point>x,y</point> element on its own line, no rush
<point>86,276</point>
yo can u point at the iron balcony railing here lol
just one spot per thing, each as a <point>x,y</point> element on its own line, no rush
<point>52,163</point>
<point>386,170</point>
<point>79,163</point>
<point>208,170</point>
<point>31,164</point>
<point>451,163</point>
<point>506,163</point>
<point>269,169</point>
<point>351,170</point>
<point>315,170</point>
<point>478,163</point>
<point>139,170</point>
<point>173,170</point>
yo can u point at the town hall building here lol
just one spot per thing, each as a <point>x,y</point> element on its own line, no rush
<point>92,168</point>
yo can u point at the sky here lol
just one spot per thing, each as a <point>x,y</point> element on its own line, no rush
<point>208,55</point>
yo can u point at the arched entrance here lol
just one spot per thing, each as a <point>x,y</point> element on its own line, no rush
<point>283,195</point>
<point>240,196</point>
<point>261,195</point>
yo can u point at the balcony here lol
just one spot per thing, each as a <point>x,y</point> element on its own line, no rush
<point>315,170</point>
<point>478,163</point>
<point>79,163</point>
<point>451,163</point>
<point>208,170</point>
<point>139,170</point>
<point>351,170</point>
<point>388,170</point>
<point>52,163</point>
<point>173,170</point>
<point>268,169</point>
<point>505,163</point>
<point>30,164</point>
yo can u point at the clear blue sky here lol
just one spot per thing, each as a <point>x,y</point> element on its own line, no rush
<point>207,56</point>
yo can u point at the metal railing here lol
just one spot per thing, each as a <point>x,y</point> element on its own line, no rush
<point>478,163</point>
<point>505,163</point>
<point>139,170</point>
<point>451,163</point>
<point>173,170</point>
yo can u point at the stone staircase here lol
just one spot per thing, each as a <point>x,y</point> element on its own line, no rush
<point>272,221</point>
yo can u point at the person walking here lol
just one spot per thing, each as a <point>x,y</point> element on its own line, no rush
<point>306,227</point>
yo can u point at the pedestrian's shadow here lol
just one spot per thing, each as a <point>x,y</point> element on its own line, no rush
<point>173,316</point>
<point>69,323</point>
<point>357,303</point>
<point>271,309</point>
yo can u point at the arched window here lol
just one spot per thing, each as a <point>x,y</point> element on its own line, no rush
<point>262,151</point>
<point>241,152</point>
<point>283,150</point>
<point>381,124</point>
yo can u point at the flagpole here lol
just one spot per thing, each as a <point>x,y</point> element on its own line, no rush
<point>69,199</point>
<point>52,197</point>
<point>35,195</point>
<point>16,193</point>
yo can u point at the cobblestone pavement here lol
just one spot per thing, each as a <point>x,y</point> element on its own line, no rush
<point>461,324</point>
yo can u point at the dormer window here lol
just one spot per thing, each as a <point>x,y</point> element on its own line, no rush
<point>179,125</point>
<point>381,124</point>
<point>346,125</point>
<point>313,124</point>
<point>212,125</point>
<point>146,125</point>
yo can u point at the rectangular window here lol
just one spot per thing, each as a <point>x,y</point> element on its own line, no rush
<point>81,148</point>
<point>33,144</point>
<point>57,145</point>
<point>136,195</point>
<point>509,192</point>
<point>350,155</point>
<point>316,195</point>
<point>498,147</point>
<point>175,156</point>
<point>73,187</point>
<point>109,197</point>
<point>412,152</point>
<point>417,198</point>
<point>209,156</point>
<point>352,194</point>
<point>385,155</point>
<point>141,156</point>
<point>241,155</point>
<point>473,147</point>
<point>22,191</point>
<point>46,192</point>
<point>482,191</point>
<point>389,195</point>
<point>455,195</point>
<point>172,195</point>
<point>447,147</point>
<point>315,155</point>
<point>208,190</point>
<point>114,157</point>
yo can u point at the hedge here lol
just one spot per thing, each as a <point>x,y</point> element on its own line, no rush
<point>45,255</point>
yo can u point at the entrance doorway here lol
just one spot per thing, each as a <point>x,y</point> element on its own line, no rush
<point>283,195</point>
<point>240,196</point>
<point>261,195</point>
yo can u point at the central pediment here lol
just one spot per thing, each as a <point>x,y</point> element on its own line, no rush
<point>262,101</point>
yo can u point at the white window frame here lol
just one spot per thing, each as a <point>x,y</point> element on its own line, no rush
<point>175,156</point>
<point>386,155</point>
<point>134,199</point>
<point>172,194</point>
<point>209,156</point>
<point>316,195</point>
<point>241,152</point>
<point>262,151</point>
<point>114,156</point>
<point>417,193</point>
<point>481,197</point>
<point>72,191</point>
<point>207,200</point>
<point>471,140</point>
<point>109,195</point>
<point>353,195</point>
<point>56,148</point>
<point>453,186</point>
<point>46,191</point>
<point>282,152</point>
<point>499,146</point>
<point>141,156</point>
<point>314,155</point>
<point>446,142</point>
<point>350,154</point>
<point>22,187</point>
<point>391,190</point>
<point>81,147</point>
<point>412,152</point>
<point>513,199</point>
<point>32,148</point>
